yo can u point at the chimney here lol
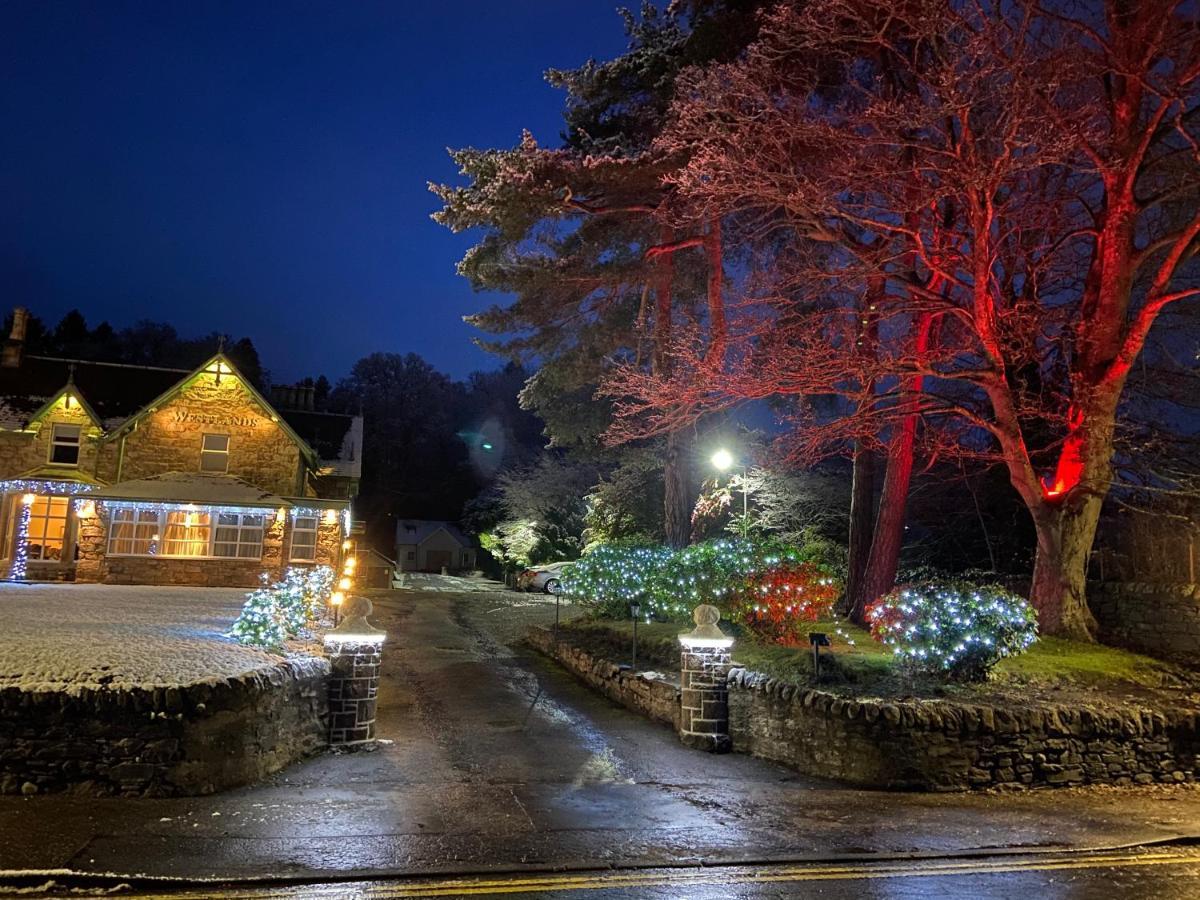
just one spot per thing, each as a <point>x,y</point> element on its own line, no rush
<point>11,358</point>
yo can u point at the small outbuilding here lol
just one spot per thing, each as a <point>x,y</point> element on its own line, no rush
<point>424,545</point>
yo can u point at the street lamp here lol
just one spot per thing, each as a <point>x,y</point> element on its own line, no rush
<point>723,461</point>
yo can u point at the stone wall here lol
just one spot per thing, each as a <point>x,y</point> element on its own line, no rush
<point>940,745</point>
<point>924,745</point>
<point>1161,620</point>
<point>21,451</point>
<point>653,698</point>
<point>192,740</point>
<point>168,439</point>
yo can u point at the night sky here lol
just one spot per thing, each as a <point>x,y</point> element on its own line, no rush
<point>260,168</point>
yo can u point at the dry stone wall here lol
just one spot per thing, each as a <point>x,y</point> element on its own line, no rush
<point>925,745</point>
<point>654,698</point>
<point>191,740</point>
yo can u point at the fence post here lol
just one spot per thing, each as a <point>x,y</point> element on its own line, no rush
<point>704,689</point>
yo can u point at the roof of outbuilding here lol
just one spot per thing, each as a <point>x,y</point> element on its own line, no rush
<point>416,531</point>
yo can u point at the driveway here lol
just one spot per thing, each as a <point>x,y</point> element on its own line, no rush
<point>494,759</point>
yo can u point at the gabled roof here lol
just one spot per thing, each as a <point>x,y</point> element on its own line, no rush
<point>417,531</point>
<point>69,390</point>
<point>216,362</point>
<point>113,391</point>
<point>192,487</point>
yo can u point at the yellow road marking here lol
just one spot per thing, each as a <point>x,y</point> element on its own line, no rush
<point>667,878</point>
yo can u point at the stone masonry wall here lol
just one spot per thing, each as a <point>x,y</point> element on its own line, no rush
<point>21,451</point>
<point>192,740</point>
<point>168,439</point>
<point>1157,619</point>
<point>653,698</point>
<point>923,745</point>
<point>93,565</point>
<point>940,745</point>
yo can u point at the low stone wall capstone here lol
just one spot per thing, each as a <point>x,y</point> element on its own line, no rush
<point>935,745</point>
<point>1161,620</point>
<point>194,739</point>
<point>655,699</point>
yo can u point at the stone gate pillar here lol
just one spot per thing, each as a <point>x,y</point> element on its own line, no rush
<point>704,695</point>
<point>355,649</point>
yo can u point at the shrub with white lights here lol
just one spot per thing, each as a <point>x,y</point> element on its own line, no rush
<point>610,577</point>
<point>285,609</point>
<point>954,629</point>
<point>729,573</point>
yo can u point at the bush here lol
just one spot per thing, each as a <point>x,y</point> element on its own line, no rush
<point>610,577</point>
<point>285,609</point>
<point>713,572</point>
<point>730,573</point>
<point>953,629</point>
<point>778,602</point>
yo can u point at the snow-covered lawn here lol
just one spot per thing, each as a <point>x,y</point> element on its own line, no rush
<point>71,636</point>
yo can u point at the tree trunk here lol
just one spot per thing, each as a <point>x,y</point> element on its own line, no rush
<point>888,537</point>
<point>862,503</point>
<point>677,505</point>
<point>1059,591</point>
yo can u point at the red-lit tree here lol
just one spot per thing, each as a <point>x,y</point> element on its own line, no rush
<point>1020,177</point>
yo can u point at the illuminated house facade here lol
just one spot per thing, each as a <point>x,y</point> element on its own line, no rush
<point>143,475</point>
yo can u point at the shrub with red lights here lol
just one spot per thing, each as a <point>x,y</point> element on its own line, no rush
<point>777,604</point>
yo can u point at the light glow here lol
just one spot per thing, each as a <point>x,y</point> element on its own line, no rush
<point>336,639</point>
<point>722,460</point>
<point>705,643</point>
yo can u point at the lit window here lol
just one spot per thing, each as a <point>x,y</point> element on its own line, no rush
<point>64,444</point>
<point>134,532</point>
<point>304,538</point>
<point>47,528</point>
<point>186,533</point>
<point>214,453</point>
<point>238,536</point>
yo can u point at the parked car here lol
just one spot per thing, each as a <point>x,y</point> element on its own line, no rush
<point>542,578</point>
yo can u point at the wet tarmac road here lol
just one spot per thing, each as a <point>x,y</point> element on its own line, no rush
<point>497,760</point>
<point>1166,873</point>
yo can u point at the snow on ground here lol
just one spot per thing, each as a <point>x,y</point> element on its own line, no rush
<point>114,637</point>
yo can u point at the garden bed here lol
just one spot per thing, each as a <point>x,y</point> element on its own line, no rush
<point>1052,670</point>
<point>1061,714</point>
<point>109,689</point>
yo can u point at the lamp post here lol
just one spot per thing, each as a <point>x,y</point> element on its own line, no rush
<point>723,461</point>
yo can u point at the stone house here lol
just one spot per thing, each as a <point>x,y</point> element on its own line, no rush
<point>423,545</point>
<point>148,475</point>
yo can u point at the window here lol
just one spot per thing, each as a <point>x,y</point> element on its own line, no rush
<point>186,533</point>
<point>238,536</point>
<point>134,532</point>
<point>47,528</point>
<point>412,554</point>
<point>304,538</point>
<point>64,444</point>
<point>214,453</point>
